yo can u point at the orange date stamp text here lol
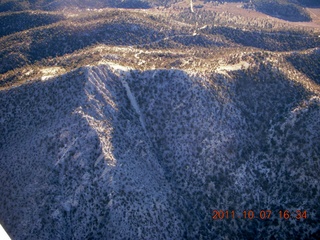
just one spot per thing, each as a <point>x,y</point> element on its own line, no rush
<point>262,214</point>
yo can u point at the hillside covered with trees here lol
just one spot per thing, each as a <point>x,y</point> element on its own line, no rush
<point>156,120</point>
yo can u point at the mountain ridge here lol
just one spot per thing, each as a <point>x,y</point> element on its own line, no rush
<point>86,143</point>
<point>159,123</point>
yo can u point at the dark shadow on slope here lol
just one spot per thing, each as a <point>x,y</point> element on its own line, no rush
<point>272,41</point>
<point>197,40</point>
<point>98,4</point>
<point>308,64</point>
<point>51,44</point>
<point>9,6</point>
<point>58,5</point>
<point>16,22</point>
<point>308,3</point>
<point>265,96</point>
<point>60,40</point>
<point>182,118</point>
<point>201,140</point>
<point>280,138</point>
<point>285,11</point>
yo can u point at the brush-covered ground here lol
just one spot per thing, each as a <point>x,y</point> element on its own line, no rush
<point>139,123</point>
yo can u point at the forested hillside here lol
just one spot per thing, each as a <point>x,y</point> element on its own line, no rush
<point>160,120</point>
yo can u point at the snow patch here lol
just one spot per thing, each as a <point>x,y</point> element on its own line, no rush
<point>115,66</point>
<point>224,68</point>
<point>134,104</point>
<point>124,72</point>
<point>50,72</point>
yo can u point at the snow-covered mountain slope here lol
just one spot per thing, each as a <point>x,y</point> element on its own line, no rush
<point>75,163</point>
<point>105,152</point>
<point>248,141</point>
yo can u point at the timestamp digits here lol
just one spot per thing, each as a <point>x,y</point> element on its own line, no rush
<point>263,214</point>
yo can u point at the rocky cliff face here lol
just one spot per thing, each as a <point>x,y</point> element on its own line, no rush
<point>107,152</point>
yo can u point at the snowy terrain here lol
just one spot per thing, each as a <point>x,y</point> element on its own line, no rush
<point>109,152</point>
